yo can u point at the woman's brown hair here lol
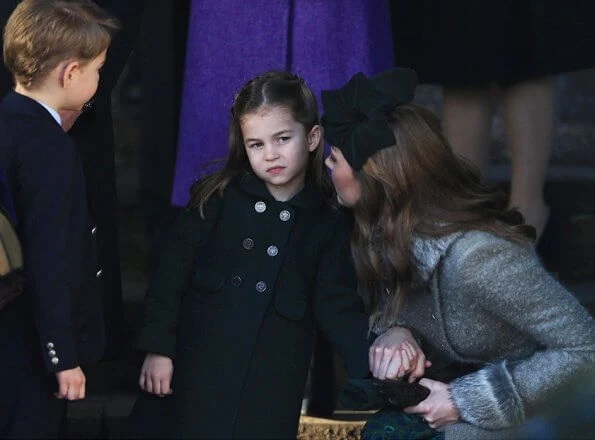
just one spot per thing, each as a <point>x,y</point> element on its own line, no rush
<point>268,90</point>
<point>419,187</point>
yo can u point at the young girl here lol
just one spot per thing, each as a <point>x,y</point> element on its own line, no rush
<point>257,261</point>
<point>439,252</point>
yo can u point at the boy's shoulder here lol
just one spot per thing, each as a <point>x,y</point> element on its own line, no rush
<point>27,126</point>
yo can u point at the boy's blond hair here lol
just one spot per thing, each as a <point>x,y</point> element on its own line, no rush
<point>40,34</point>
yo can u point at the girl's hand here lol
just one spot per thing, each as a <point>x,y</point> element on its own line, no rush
<point>395,354</point>
<point>438,408</point>
<point>155,375</point>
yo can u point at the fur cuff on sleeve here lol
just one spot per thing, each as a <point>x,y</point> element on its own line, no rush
<point>488,398</point>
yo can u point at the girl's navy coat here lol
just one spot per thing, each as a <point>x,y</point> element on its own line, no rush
<point>235,301</point>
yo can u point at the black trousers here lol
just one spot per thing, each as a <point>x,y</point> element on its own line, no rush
<point>28,408</point>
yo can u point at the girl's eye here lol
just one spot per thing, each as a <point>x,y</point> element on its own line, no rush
<point>255,145</point>
<point>283,139</point>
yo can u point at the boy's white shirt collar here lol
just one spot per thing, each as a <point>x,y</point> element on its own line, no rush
<point>52,112</point>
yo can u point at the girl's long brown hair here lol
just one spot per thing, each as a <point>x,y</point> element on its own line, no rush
<point>268,90</point>
<point>419,187</point>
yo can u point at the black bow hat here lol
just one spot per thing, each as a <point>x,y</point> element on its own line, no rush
<point>356,115</point>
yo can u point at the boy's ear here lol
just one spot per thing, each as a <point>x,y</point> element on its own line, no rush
<point>314,138</point>
<point>69,73</point>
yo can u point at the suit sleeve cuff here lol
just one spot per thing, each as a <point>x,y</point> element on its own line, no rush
<point>58,351</point>
<point>157,340</point>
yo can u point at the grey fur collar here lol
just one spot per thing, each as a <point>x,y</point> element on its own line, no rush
<point>427,252</point>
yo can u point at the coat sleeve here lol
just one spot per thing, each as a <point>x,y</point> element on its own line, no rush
<point>338,308</point>
<point>509,283</point>
<point>168,283</point>
<point>44,201</point>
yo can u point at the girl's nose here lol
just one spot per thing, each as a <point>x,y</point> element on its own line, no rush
<point>270,152</point>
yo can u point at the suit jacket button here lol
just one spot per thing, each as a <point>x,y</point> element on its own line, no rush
<point>236,281</point>
<point>55,360</point>
<point>94,230</point>
<point>99,273</point>
<point>248,243</point>
<point>261,286</point>
<point>50,345</point>
<point>272,251</point>
<point>52,353</point>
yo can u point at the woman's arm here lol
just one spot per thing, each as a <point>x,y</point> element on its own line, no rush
<point>507,281</point>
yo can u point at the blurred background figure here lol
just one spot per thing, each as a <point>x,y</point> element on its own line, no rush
<point>507,52</point>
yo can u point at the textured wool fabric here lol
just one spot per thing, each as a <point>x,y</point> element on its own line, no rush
<point>229,42</point>
<point>483,300</point>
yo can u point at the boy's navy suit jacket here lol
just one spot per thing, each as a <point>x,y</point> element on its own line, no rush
<point>57,323</point>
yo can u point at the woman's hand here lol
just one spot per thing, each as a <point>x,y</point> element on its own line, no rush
<point>155,375</point>
<point>438,408</point>
<point>396,353</point>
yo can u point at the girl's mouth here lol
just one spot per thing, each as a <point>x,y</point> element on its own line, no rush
<point>275,170</point>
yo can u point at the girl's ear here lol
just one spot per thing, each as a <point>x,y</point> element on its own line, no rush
<point>314,138</point>
<point>69,72</point>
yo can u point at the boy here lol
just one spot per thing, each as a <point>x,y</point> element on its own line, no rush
<point>54,50</point>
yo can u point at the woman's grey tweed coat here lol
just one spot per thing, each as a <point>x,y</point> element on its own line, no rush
<point>483,299</point>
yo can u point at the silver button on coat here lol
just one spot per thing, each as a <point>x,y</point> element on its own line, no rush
<point>284,215</point>
<point>50,345</point>
<point>272,251</point>
<point>248,243</point>
<point>260,207</point>
<point>261,286</point>
<point>99,273</point>
<point>52,353</point>
<point>55,360</point>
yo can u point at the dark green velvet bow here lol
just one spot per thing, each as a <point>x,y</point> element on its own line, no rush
<point>356,115</point>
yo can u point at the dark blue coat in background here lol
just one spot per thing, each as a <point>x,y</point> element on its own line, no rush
<point>57,323</point>
<point>236,300</point>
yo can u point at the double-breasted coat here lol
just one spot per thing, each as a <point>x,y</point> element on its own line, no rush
<point>236,300</point>
<point>57,323</point>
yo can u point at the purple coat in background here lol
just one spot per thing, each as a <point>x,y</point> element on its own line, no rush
<point>229,42</point>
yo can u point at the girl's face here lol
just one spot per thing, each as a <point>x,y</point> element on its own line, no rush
<point>278,149</point>
<point>347,186</point>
